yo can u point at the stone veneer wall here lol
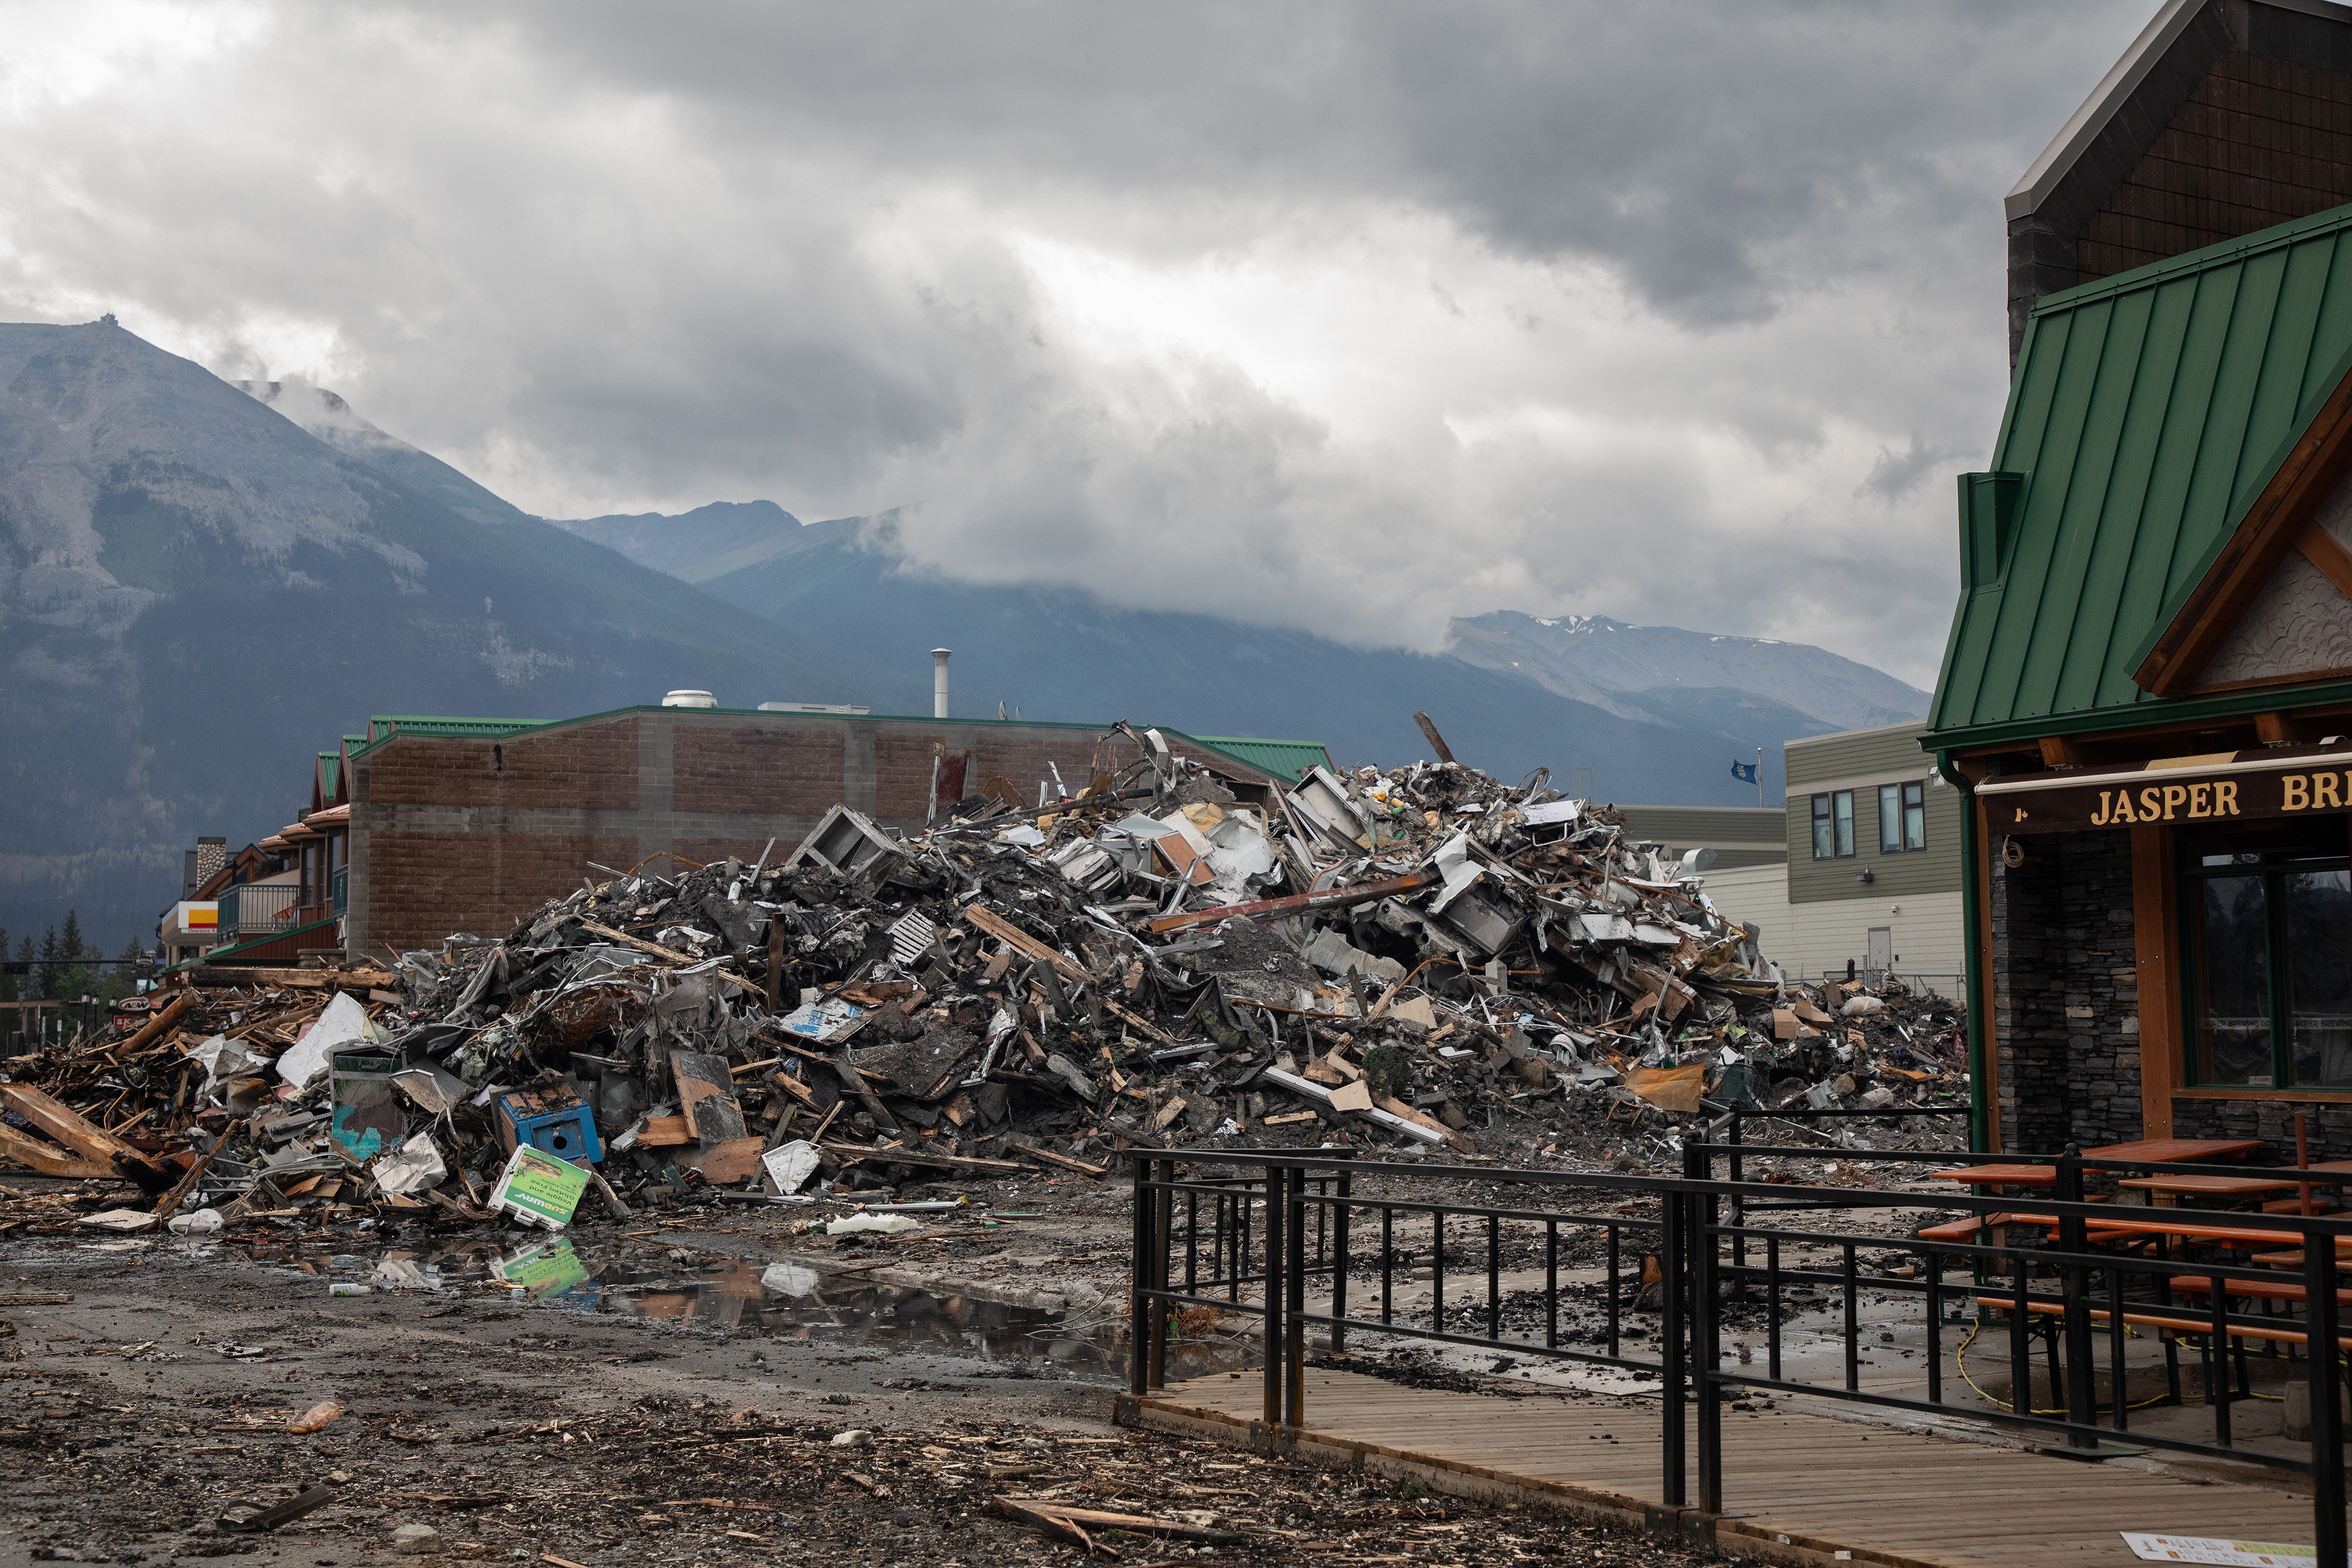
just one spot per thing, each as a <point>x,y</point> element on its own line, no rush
<point>2066,1010</point>
<point>2329,1125</point>
<point>2066,1000</point>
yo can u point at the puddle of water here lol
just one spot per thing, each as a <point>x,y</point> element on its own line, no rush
<point>776,1300</point>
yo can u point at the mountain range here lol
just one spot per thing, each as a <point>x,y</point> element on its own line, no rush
<point>203,584</point>
<point>197,594</point>
<point>1656,712</point>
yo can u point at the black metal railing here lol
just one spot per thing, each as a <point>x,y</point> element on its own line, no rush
<point>2079,1280</point>
<point>251,908</point>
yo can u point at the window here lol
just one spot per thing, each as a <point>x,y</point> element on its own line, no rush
<point>2266,936</point>
<point>1833,825</point>
<point>1901,818</point>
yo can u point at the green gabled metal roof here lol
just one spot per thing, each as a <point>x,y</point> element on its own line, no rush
<point>330,764</point>
<point>1286,760</point>
<point>217,954</point>
<point>2147,413</point>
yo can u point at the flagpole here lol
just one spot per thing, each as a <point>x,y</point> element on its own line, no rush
<point>1759,776</point>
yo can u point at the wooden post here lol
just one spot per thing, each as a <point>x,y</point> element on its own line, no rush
<point>2153,937</point>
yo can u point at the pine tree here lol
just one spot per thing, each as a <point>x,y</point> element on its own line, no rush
<point>120,979</point>
<point>74,980</point>
<point>45,978</point>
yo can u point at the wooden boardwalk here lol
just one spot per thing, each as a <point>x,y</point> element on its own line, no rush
<point>1797,1488</point>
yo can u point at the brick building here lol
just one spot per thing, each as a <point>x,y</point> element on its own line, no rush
<point>463,825</point>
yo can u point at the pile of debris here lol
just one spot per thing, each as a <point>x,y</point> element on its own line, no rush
<point>1425,955</point>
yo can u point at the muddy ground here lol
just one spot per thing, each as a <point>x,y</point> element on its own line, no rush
<point>733,1429</point>
<point>709,1383</point>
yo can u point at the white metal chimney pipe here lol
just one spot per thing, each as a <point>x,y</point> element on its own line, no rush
<point>940,682</point>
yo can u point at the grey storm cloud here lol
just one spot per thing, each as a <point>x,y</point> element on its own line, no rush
<point>1354,318</point>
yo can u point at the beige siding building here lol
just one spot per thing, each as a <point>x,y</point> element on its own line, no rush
<point>1872,872</point>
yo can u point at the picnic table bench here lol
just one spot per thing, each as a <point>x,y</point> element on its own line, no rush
<point>2156,1318</point>
<point>2258,1290</point>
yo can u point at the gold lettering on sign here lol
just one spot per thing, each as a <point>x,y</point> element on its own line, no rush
<point>2100,821</point>
<point>2322,792</point>
<point>2124,812</point>
<point>2200,805</point>
<point>2149,807</point>
<point>2295,793</point>
<point>2174,794</point>
<point>2225,798</point>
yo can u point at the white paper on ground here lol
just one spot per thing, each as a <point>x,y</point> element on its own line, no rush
<point>2212,1549</point>
<point>851,1224</point>
<point>402,1274</point>
<point>788,1280</point>
<point>343,1025</point>
<point>416,1166</point>
<point>791,1165</point>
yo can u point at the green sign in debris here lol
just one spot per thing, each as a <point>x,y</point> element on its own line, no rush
<point>545,1268</point>
<point>540,1189</point>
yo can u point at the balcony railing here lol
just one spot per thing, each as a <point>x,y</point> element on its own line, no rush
<point>339,888</point>
<point>256,909</point>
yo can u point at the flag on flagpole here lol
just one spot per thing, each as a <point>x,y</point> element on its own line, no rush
<point>1744,772</point>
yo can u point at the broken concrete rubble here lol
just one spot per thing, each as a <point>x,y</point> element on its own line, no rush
<point>1422,957</point>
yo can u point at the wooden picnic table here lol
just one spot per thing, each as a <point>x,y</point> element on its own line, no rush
<point>2154,1151</point>
<point>2295,1259</point>
<point>2168,1150</point>
<point>2001,1175</point>
<point>2117,1225</point>
<point>2217,1186</point>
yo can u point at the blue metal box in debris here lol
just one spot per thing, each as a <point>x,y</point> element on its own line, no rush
<point>552,1121</point>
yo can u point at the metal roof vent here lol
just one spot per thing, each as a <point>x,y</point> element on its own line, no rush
<point>689,699</point>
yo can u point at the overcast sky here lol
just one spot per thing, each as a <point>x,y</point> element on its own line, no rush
<point>1355,317</point>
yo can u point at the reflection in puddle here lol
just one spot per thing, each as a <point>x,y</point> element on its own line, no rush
<point>786,1301</point>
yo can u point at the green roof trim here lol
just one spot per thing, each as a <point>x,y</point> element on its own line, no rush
<point>424,724</point>
<point>1284,760</point>
<point>2147,414</point>
<point>219,953</point>
<point>1280,758</point>
<point>386,726</point>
